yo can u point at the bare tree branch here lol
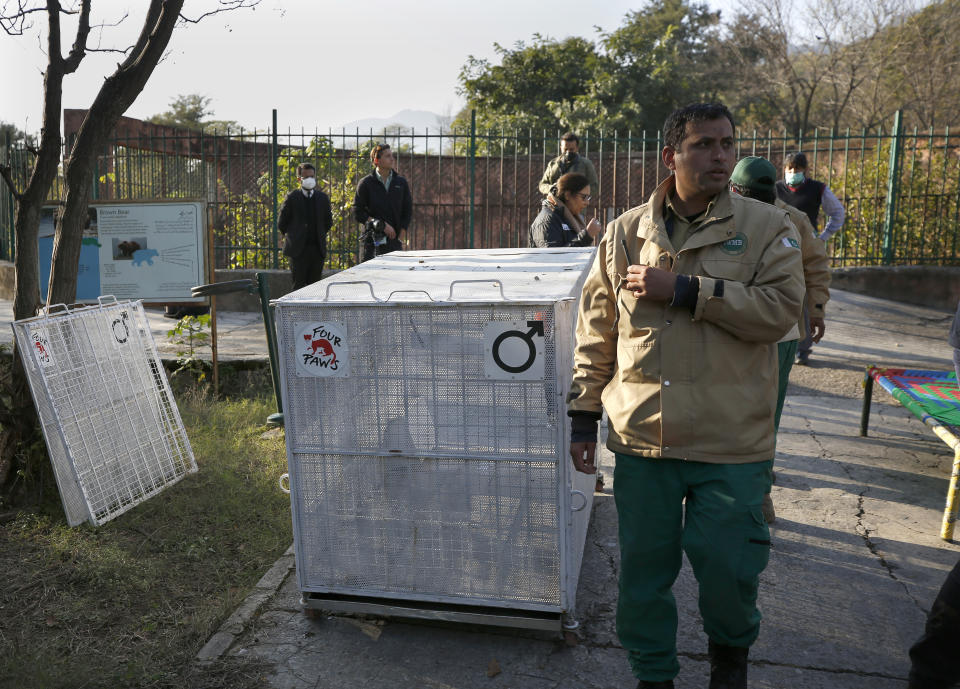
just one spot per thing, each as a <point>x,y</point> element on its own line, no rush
<point>16,22</point>
<point>225,6</point>
<point>8,178</point>
<point>72,61</point>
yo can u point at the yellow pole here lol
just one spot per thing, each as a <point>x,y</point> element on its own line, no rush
<point>950,511</point>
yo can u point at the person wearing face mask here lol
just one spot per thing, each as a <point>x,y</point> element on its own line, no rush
<point>305,218</point>
<point>559,223</point>
<point>809,195</point>
<point>383,205</point>
<point>569,160</point>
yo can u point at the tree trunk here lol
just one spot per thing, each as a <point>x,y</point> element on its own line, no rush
<point>19,421</point>
<point>118,92</point>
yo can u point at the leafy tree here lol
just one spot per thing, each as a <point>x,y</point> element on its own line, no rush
<point>515,94</point>
<point>10,132</point>
<point>192,111</point>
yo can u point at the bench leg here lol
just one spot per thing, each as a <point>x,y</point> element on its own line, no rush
<point>950,511</point>
<point>867,398</point>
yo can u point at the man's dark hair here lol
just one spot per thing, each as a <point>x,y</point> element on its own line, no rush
<point>675,128</point>
<point>305,166</point>
<point>765,196</point>
<point>377,151</point>
<point>571,183</point>
<point>795,161</point>
<point>570,136</point>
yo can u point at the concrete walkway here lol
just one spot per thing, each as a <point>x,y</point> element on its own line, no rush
<point>240,334</point>
<point>855,564</point>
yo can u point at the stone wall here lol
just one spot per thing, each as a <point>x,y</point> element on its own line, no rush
<point>935,286</point>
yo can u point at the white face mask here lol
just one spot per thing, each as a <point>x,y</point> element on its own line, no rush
<point>308,183</point>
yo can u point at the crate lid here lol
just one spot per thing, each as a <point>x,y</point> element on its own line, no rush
<point>454,276</point>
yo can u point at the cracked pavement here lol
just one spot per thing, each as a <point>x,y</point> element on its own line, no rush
<point>855,564</point>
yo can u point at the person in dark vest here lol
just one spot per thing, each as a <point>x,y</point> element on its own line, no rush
<point>383,205</point>
<point>809,195</point>
<point>305,218</point>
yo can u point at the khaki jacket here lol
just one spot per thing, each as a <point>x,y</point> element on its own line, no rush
<point>816,265</point>
<point>553,173</point>
<point>700,386</point>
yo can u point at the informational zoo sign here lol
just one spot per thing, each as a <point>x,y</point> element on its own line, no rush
<point>149,251</point>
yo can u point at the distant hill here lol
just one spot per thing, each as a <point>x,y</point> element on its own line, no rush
<point>418,120</point>
<point>397,126</point>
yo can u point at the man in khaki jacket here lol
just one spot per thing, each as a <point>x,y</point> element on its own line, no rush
<point>686,296</point>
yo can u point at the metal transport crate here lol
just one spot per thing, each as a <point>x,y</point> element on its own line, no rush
<point>427,436</point>
<point>110,421</point>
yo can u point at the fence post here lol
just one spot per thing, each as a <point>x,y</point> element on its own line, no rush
<point>893,188</point>
<point>473,167</point>
<point>11,201</point>
<point>273,187</point>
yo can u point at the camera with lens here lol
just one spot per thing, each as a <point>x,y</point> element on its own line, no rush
<point>376,230</point>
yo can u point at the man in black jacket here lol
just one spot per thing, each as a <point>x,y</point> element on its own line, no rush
<point>383,205</point>
<point>305,219</point>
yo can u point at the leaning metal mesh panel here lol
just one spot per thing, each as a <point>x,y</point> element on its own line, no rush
<point>474,531</point>
<point>74,505</point>
<point>111,403</point>
<point>417,384</point>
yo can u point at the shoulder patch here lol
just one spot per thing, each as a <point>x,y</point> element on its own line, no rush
<point>790,241</point>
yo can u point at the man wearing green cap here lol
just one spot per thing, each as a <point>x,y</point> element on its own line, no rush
<point>755,177</point>
<point>685,297</point>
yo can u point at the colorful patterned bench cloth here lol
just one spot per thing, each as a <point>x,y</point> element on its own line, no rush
<point>933,393</point>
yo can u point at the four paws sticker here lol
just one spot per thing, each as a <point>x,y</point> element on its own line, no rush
<point>322,350</point>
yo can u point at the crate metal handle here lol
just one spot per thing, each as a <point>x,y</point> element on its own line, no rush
<point>373,296</point>
<point>285,478</point>
<point>483,282</point>
<point>582,495</point>
<point>415,291</point>
<point>49,309</point>
<point>113,299</point>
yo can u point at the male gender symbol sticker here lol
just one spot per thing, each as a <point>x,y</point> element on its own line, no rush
<point>321,350</point>
<point>513,350</point>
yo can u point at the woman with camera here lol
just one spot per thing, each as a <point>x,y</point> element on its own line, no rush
<point>560,222</point>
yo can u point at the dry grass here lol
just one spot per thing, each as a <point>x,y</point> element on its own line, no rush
<point>130,603</point>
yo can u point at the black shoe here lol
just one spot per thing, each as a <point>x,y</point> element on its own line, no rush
<point>644,684</point>
<point>728,666</point>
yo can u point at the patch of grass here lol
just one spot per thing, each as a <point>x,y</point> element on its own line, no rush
<point>130,603</point>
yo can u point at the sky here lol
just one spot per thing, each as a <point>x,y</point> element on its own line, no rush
<point>320,63</point>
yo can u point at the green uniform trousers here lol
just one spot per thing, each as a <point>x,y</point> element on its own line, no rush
<point>723,534</point>
<point>786,351</point>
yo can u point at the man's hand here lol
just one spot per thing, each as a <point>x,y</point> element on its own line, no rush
<point>817,327</point>
<point>647,282</point>
<point>594,228</point>
<point>389,231</point>
<point>584,457</point>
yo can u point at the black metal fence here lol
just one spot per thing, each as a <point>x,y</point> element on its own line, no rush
<point>901,190</point>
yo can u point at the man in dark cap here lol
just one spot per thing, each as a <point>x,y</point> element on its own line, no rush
<point>755,177</point>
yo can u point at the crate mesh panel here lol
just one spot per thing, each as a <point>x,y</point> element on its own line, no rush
<point>113,432</point>
<point>478,530</point>
<point>417,385</point>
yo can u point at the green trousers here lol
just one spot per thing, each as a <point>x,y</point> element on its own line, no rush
<point>786,351</point>
<point>724,535</point>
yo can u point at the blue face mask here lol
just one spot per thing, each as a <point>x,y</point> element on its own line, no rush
<point>794,179</point>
